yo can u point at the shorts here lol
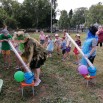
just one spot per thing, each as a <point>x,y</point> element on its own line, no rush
<point>49,52</point>
<point>64,51</point>
<point>91,58</point>
<point>76,52</point>
<point>42,42</point>
<point>68,49</point>
<point>35,64</point>
<point>6,52</point>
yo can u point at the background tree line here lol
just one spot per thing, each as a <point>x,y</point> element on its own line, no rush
<point>29,14</point>
<point>37,14</point>
<point>81,16</point>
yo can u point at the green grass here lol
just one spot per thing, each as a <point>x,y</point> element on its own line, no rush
<point>61,82</point>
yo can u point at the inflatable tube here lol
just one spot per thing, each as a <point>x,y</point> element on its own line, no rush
<point>19,57</point>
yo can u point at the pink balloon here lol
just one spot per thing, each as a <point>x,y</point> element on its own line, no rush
<point>83,69</point>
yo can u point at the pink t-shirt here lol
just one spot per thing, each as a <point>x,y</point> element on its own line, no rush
<point>42,37</point>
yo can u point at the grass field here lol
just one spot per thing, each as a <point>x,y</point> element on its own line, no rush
<point>61,82</point>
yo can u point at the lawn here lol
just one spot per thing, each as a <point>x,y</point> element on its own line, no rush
<point>61,82</point>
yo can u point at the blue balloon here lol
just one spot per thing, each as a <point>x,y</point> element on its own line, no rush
<point>29,77</point>
<point>92,71</point>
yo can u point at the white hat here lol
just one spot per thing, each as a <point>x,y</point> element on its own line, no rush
<point>15,32</point>
<point>46,36</point>
<point>56,35</point>
<point>77,34</point>
<point>20,33</point>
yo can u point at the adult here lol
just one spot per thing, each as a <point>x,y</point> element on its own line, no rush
<point>35,55</point>
<point>90,45</point>
<point>100,35</point>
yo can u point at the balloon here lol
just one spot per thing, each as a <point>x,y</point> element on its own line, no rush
<point>19,76</point>
<point>92,71</point>
<point>83,69</point>
<point>29,77</point>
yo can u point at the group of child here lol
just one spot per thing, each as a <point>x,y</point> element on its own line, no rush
<point>61,44</point>
<point>29,48</point>
<point>35,53</point>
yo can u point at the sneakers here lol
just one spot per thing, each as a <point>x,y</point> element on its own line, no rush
<point>37,82</point>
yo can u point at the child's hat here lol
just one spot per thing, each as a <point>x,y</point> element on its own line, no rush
<point>56,35</point>
<point>77,34</point>
<point>5,31</point>
<point>46,36</point>
<point>20,33</point>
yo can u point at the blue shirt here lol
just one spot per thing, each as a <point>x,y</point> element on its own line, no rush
<point>63,45</point>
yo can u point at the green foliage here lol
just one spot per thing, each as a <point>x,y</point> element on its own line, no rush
<point>32,13</point>
<point>95,14</point>
<point>63,21</point>
<point>82,16</point>
<point>79,16</point>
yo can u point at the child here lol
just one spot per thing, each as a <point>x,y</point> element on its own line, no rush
<point>19,46</point>
<point>50,47</point>
<point>63,47</point>
<point>76,52</point>
<point>42,38</point>
<point>5,46</point>
<point>68,43</point>
<point>57,43</point>
<point>46,41</point>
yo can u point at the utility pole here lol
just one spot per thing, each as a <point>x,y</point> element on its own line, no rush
<point>51,16</point>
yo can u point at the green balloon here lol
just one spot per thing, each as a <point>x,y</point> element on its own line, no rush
<point>19,76</point>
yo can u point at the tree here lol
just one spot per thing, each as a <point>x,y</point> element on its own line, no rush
<point>79,16</point>
<point>32,13</point>
<point>39,10</point>
<point>63,21</point>
<point>95,14</point>
<point>70,17</point>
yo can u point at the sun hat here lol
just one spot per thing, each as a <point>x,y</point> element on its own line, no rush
<point>77,34</point>
<point>56,35</point>
<point>46,36</point>
<point>20,33</point>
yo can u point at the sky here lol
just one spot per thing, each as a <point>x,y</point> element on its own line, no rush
<point>73,4</point>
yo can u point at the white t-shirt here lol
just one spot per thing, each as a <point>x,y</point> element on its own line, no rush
<point>58,41</point>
